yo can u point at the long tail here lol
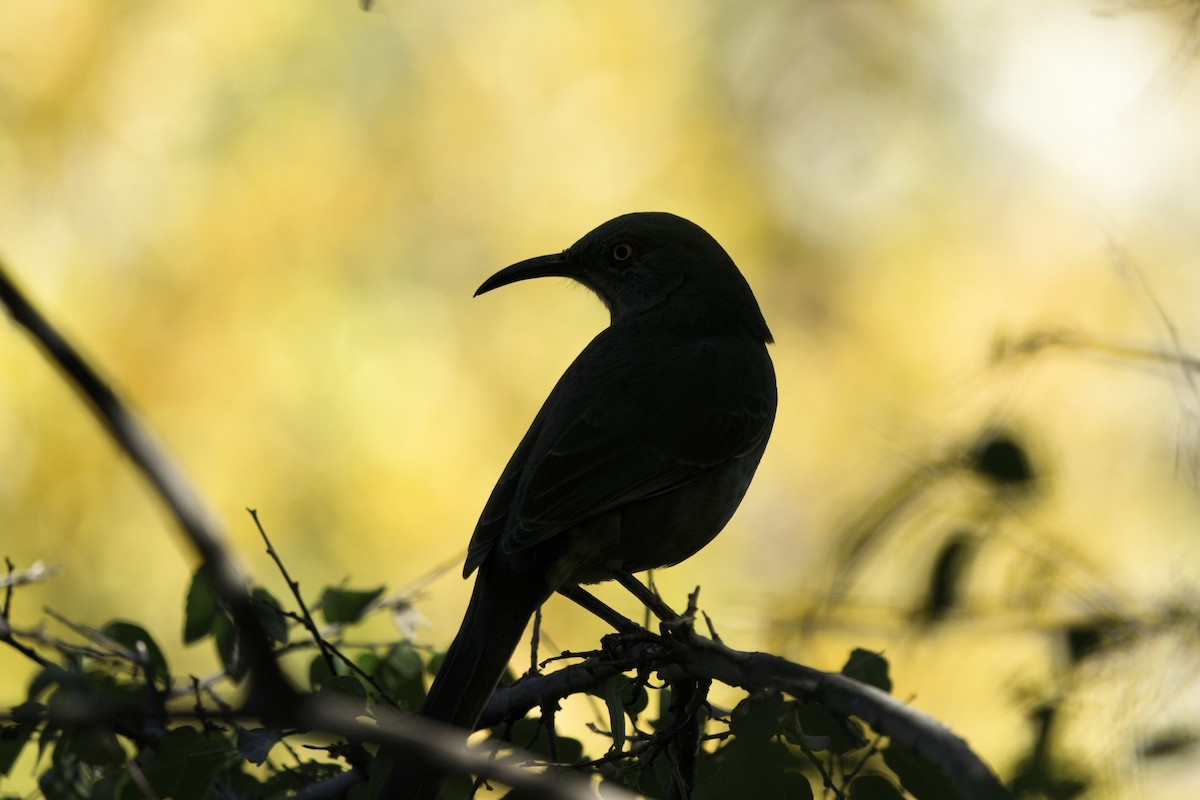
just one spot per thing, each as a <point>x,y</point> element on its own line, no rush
<point>500,608</point>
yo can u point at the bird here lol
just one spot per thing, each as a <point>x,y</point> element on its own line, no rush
<point>638,458</point>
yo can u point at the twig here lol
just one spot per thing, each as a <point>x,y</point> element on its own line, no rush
<point>294,586</point>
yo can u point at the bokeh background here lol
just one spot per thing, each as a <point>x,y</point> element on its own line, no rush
<point>265,221</point>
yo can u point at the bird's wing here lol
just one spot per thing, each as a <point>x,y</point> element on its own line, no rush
<point>618,429</point>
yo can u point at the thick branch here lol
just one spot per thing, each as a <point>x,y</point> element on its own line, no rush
<point>705,659</point>
<point>269,689</point>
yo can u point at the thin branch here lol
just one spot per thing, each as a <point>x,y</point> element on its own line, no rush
<point>294,586</point>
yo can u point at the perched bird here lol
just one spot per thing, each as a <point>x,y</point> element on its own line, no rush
<point>637,459</point>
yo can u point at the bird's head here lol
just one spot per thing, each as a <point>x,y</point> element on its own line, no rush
<point>653,263</point>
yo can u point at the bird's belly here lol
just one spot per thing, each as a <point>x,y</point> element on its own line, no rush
<point>658,531</point>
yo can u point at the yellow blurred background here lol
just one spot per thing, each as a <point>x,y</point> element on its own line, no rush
<point>265,222</point>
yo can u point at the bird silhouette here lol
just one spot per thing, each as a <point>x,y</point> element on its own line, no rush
<point>638,458</point>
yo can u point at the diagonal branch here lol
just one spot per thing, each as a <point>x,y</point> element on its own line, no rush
<point>704,659</point>
<point>268,686</point>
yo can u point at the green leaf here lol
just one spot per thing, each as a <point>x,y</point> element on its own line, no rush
<point>758,717</point>
<point>201,608</point>
<point>318,671</point>
<point>867,666</point>
<point>29,713</point>
<point>50,676</point>
<point>269,614</point>
<point>917,775</point>
<point>95,747</point>
<point>343,685</point>
<point>12,741</point>
<point>254,744</point>
<point>753,769</point>
<point>346,606</point>
<point>616,710</point>
<point>400,673</point>
<point>135,639</point>
<point>185,763</point>
<point>947,579</point>
<point>405,660</point>
<point>812,721</point>
<point>229,648</point>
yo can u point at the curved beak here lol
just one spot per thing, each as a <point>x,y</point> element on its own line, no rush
<point>558,265</point>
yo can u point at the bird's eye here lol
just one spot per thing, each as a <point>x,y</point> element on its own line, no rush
<point>622,252</point>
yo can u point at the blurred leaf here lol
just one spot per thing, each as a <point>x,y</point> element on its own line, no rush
<point>185,763</point>
<point>343,685</point>
<point>814,721</point>
<point>1168,743</point>
<point>201,608</point>
<point>404,659</point>
<point>944,593</point>
<point>51,676</point>
<point>318,671</point>
<point>229,648</point>
<point>254,744</point>
<point>346,606</point>
<point>746,768</point>
<point>917,775</point>
<point>868,667</point>
<point>269,614</point>
<point>1086,638</point>
<point>130,636</point>
<point>12,741</point>
<point>90,745</point>
<point>1000,459</point>
<point>757,718</point>
<point>401,674</point>
<point>616,710</point>
<point>28,713</point>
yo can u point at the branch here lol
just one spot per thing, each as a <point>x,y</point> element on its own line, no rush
<point>704,659</point>
<point>269,689</point>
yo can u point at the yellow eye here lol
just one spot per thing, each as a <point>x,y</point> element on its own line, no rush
<point>622,252</point>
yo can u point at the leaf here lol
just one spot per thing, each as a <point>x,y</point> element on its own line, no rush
<point>318,671</point>
<point>404,659</point>
<point>869,667</point>
<point>269,614</point>
<point>346,606</point>
<point>92,746</point>
<point>400,673</point>
<point>616,710</point>
<point>346,685</point>
<point>757,718</point>
<point>753,770</point>
<point>947,576</point>
<point>185,763</point>
<point>254,744</point>
<point>917,775</point>
<point>1167,743</point>
<point>201,607</point>
<point>12,741</point>
<point>135,639</point>
<point>50,676</point>
<point>229,648</point>
<point>814,721</point>
<point>1000,458</point>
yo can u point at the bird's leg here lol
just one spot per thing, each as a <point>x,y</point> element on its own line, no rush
<point>593,604</point>
<point>648,597</point>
